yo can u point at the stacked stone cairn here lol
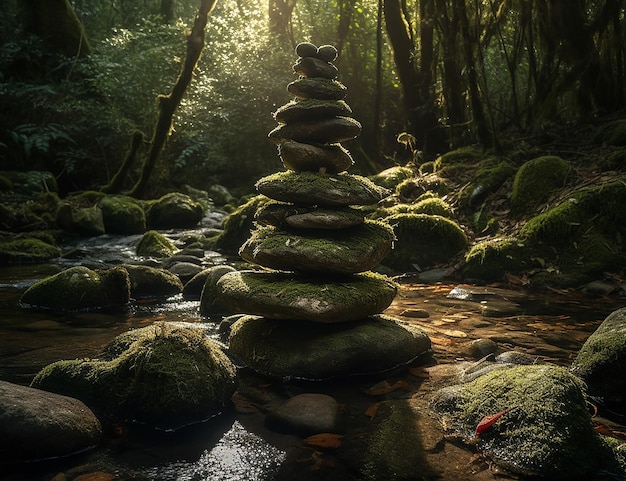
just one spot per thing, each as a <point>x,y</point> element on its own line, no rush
<point>313,309</point>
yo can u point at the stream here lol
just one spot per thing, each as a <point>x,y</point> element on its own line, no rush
<point>550,325</point>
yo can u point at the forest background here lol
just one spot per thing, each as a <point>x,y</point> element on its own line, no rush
<point>446,72</point>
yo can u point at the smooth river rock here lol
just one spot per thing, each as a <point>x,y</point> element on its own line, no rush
<point>329,159</point>
<point>283,295</point>
<point>314,351</point>
<point>342,251</point>
<point>317,88</point>
<point>305,414</point>
<point>324,131</point>
<point>311,109</point>
<point>280,214</point>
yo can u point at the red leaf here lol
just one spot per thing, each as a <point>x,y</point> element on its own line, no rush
<point>488,421</point>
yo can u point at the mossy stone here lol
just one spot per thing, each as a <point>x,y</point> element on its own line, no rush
<point>457,159</point>
<point>601,362</point>
<point>431,205</point>
<point>308,188</point>
<point>210,302</point>
<point>612,134</point>
<point>342,251</point>
<point>79,288</point>
<point>174,210</point>
<point>315,351</point>
<point>491,259</point>
<point>317,88</point>
<point>283,295</point>
<point>155,244</point>
<point>423,241</point>
<point>238,225</point>
<point>329,159</point>
<point>122,215</point>
<point>324,131</point>
<point>547,430</point>
<point>86,221</point>
<point>165,375</point>
<point>152,282</point>
<point>489,177</point>
<point>280,214</point>
<point>535,180</point>
<point>27,251</point>
<point>391,177</point>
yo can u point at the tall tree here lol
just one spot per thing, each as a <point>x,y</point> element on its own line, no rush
<point>170,102</point>
<point>279,16</point>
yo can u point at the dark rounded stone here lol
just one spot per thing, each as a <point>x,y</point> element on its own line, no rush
<point>317,88</point>
<point>312,67</point>
<point>306,49</point>
<point>329,159</point>
<point>327,53</point>
<point>314,351</point>
<point>325,131</point>
<point>279,214</point>
<point>311,109</point>
<point>342,251</point>
<point>305,414</point>
<point>308,188</point>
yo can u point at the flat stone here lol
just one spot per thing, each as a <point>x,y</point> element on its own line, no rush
<point>279,214</point>
<point>324,131</point>
<point>38,425</point>
<point>314,351</point>
<point>315,67</point>
<point>300,156</point>
<point>308,188</point>
<point>342,251</point>
<point>305,414</point>
<point>311,109</point>
<point>283,295</point>
<point>317,88</point>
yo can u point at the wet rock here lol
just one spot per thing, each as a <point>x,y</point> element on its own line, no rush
<point>152,282</point>
<point>27,250</point>
<point>305,414</point>
<point>311,109</point>
<point>480,348</point>
<point>317,88</point>
<point>185,270</point>
<point>324,131</point>
<point>534,181</point>
<point>307,188</point>
<point>601,362</point>
<point>174,210</point>
<point>298,156</point>
<point>391,177</point>
<point>155,244</point>
<point>279,214</point>
<point>210,303</point>
<point>165,375</point>
<point>282,295</point>
<point>317,351</point>
<point>547,430</point>
<point>79,288</point>
<point>192,290</point>
<point>238,225</point>
<point>122,215</point>
<point>39,425</point>
<point>314,67</point>
<point>343,251</point>
<point>87,221</point>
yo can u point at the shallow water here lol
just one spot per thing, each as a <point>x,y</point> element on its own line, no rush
<point>550,326</point>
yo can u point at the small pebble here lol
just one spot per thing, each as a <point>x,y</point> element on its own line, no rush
<point>327,53</point>
<point>306,49</point>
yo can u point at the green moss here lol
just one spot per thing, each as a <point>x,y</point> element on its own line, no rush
<point>547,431</point>
<point>491,259</point>
<point>488,178</point>
<point>87,198</point>
<point>174,210</point>
<point>612,134</point>
<point>154,244</point>
<point>535,180</point>
<point>122,215</point>
<point>238,225</point>
<point>457,160</point>
<point>423,241</point>
<point>391,177</point>
<point>161,374</point>
<point>152,282</point>
<point>615,160</point>
<point>27,250</point>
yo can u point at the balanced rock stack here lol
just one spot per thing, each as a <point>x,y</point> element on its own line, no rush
<point>314,311</point>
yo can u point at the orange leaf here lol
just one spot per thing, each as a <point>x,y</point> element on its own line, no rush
<point>324,440</point>
<point>372,410</point>
<point>419,372</point>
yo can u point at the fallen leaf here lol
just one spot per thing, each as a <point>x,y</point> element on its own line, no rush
<point>384,387</point>
<point>371,411</point>
<point>488,421</point>
<point>324,440</point>
<point>243,405</point>
<point>419,372</point>
<point>454,333</point>
<point>441,342</point>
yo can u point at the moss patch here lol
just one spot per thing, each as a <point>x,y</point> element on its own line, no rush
<point>122,215</point>
<point>547,431</point>
<point>238,225</point>
<point>491,259</point>
<point>26,251</point>
<point>174,210</point>
<point>535,180</point>
<point>155,244</point>
<point>391,177</point>
<point>162,374</point>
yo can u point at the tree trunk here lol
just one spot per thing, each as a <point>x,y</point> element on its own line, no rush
<point>169,103</point>
<point>279,16</point>
<point>167,11</point>
<point>378,99</point>
<point>57,23</point>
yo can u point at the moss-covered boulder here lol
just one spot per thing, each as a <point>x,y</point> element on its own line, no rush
<point>210,302</point>
<point>535,180</point>
<point>612,134</point>
<point>155,244</point>
<point>283,295</point>
<point>152,282</point>
<point>174,211</point>
<point>489,177</point>
<point>448,164</point>
<point>546,431</point>
<point>165,375</point>
<point>490,259</point>
<point>238,225</point>
<point>431,205</point>
<point>316,351</point>
<point>79,288</point>
<point>122,215</point>
<point>342,251</point>
<point>309,188</point>
<point>27,250</point>
<point>391,177</point>
<point>281,214</point>
<point>86,221</point>
<point>601,362</point>
<point>423,241</point>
